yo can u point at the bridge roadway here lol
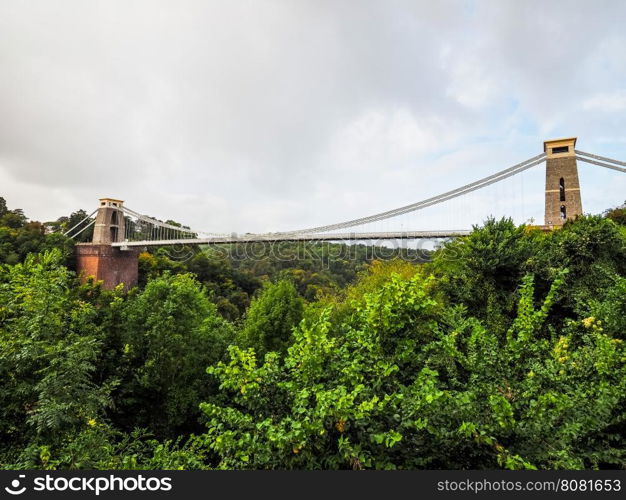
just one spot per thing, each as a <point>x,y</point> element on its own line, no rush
<point>276,237</point>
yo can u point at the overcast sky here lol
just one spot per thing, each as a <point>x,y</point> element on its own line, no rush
<point>271,115</point>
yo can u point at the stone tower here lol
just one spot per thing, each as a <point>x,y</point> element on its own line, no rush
<point>562,186</point>
<point>109,226</point>
<point>102,261</point>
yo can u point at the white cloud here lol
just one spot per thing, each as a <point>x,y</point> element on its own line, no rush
<point>613,102</point>
<point>269,115</point>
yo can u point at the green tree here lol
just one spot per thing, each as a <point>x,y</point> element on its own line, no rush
<point>48,357</point>
<point>593,249</point>
<point>483,270</point>
<point>3,207</point>
<point>14,219</point>
<point>19,237</point>
<point>404,382</point>
<point>271,318</point>
<point>617,214</point>
<point>173,332</point>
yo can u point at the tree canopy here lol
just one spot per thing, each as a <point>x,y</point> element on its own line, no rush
<point>502,349</point>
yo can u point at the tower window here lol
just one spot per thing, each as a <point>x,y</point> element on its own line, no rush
<point>114,217</point>
<point>563,212</point>
<point>560,149</point>
<point>562,189</point>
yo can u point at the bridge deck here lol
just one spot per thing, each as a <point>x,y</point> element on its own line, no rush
<point>276,237</point>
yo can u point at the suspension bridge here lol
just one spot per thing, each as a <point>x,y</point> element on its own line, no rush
<point>120,231</point>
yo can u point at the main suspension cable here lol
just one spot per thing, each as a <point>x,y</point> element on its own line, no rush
<point>486,181</point>
<point>75,226</point>
<point>602,164</point>
<point>601,158</point>
<point>86,227</point>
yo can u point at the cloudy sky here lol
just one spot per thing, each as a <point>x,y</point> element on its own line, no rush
<point>271,115</point>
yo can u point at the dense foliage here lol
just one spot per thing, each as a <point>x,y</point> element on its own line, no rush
<point>505,350</point>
